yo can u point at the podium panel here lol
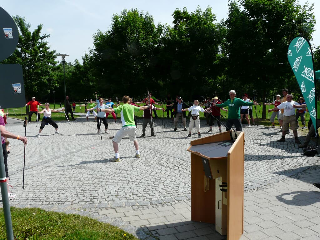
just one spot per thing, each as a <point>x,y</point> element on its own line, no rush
<point>217,183</point>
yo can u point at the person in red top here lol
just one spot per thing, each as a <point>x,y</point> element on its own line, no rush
<point>152,102</point>
<point>74,106</point>
<point>215,113</point>
<point>300,112</point>
<point>147,118</point>
<point>33,108</point>
<point>275,113</point>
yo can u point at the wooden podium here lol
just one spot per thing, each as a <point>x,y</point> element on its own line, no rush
<point>217,183</point>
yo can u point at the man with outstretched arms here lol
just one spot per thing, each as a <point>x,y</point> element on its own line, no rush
<point>33,108</point>
<point>128,126</point>
<point>289,118</point>
<point>234,105</point>
<point>91,105</point>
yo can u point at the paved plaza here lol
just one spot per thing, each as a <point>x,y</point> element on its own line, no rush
<point>149,197</point>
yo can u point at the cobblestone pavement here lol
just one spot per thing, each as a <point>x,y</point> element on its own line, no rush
<point>73,172</point>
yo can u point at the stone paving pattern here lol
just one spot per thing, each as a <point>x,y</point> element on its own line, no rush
<point>149,197</point>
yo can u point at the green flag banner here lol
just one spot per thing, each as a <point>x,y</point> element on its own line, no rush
<point>300,59</point>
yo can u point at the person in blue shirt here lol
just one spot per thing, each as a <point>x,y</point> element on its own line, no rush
<point>110,104</point>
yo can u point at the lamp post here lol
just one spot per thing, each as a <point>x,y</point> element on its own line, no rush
<point>64,72</point>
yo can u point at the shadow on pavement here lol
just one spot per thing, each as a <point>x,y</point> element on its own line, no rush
<point>180,230</point>
<point>300,198</point>
<point>307,174</point>
<point>250,157</point>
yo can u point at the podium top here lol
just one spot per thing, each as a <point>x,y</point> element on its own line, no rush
<point>212,150</point>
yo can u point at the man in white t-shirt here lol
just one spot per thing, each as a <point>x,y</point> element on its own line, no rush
<point>195,119</point>
<point>288,108</point>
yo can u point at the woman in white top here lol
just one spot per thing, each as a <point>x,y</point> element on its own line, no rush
<point>101,117</point>
<point>194,120</point>
<point>47,118</point>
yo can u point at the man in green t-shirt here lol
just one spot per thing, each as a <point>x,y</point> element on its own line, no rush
<point>234,105</point>
<point>91,105</point>
<point>128,126</point>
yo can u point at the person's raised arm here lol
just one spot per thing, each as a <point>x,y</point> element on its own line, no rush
<point>107,110</point>
<point>244,103</point>
<point>57,110</point>
<point>303,106</point>
<point>143,107</point>
<point>8,134</point>
<point>225,104</point>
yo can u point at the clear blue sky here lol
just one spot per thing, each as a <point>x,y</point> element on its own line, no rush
<point>72,23</point>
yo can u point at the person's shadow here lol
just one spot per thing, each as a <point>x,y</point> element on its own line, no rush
<point>300,198</point>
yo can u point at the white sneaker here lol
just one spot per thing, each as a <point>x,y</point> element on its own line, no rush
<point>56,132</point>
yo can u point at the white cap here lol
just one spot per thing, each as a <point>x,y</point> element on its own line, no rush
<point>278,95</point>
<point>232,91</point>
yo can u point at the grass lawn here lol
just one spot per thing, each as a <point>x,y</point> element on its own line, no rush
<point>34,223</point>
<point>257,113</point>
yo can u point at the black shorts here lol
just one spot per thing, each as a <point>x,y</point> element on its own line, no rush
<point>244,111</point>
<point>212,118</point>
<point>235,122</point>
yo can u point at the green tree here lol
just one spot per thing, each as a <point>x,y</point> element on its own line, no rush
<point>81,82</point>
<point>37,60</point>
<point>316,57</point>
<point>258,36</point>
<point>192,52</point>
<point>123,56</point>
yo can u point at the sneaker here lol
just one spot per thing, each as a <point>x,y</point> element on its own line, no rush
<point>56,132</point>
<point>116,159</point>
<point>281,140</point>
<point>316,185</point>
<point>105,131</point>
<point>304,145</point>
<point>153,135</point>
<point>98,131</point>
<point>249,125</point>
<point>189,135</point>
<point>175,129</point>
<point>137,155</point>
<point>297,141</point>
<point>185,129</point>
<point>210,130</point>
<point>199,135</point>
<point>142,135</point>
<point>38,136</point>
